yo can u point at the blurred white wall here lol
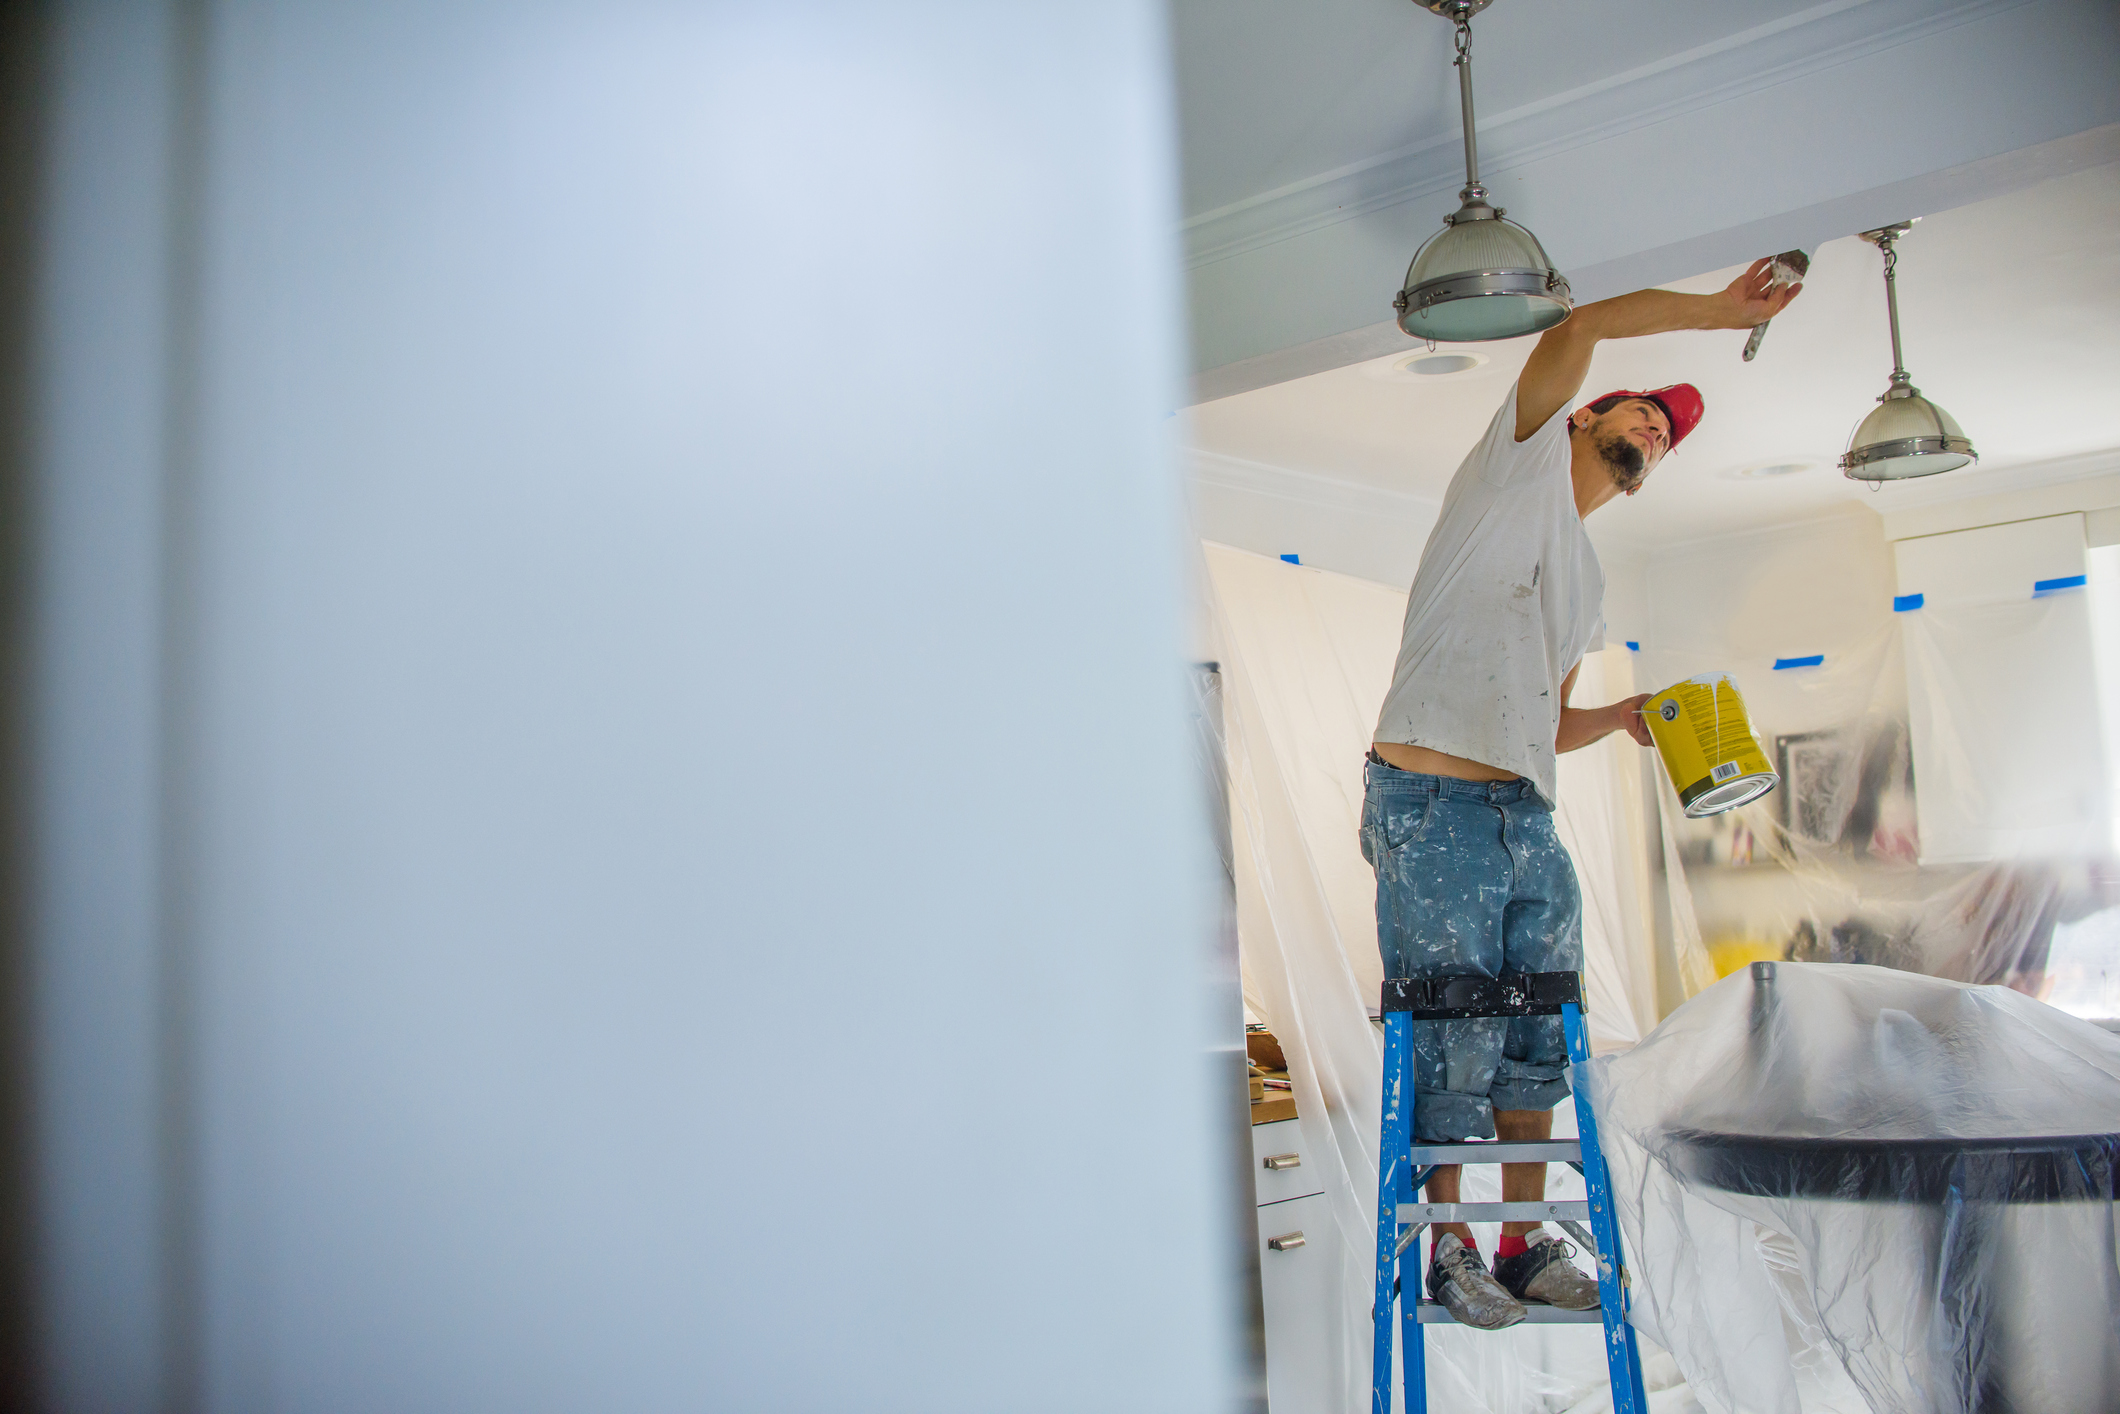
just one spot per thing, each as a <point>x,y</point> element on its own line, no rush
<point>1366,531</point>
<point>614,830</point>
<point>107,1088</point>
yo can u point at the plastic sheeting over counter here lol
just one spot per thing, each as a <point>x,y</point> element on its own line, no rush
<point>1907,1178</point>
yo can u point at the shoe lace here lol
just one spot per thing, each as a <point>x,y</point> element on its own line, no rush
<point>1460,1259</point>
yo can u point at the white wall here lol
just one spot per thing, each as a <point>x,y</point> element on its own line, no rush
<point>594,855</point>
<point>97,1002</point>
<point>1364,531</point>
<point>1740,603</point>
<point>2104,571</point>
<point>2007,734</point>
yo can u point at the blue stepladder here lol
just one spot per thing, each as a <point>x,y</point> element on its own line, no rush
<point>1404,1165</point>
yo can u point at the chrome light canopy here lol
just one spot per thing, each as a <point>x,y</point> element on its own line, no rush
<point>1907,435</point>
<point>1482,276</point>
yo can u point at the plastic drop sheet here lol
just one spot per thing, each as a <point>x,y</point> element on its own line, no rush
<point>1842,1174</point>
<point>1927,818</point>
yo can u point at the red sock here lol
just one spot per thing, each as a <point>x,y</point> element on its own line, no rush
<point>1510,1247</point>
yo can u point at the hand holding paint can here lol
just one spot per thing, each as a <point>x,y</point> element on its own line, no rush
<point>1701,731</point>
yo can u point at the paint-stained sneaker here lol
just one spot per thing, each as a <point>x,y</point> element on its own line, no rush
<point>1460,1280</point>
<point>1543,1273</point>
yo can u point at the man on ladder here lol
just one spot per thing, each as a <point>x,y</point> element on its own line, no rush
<point>1471,879</point>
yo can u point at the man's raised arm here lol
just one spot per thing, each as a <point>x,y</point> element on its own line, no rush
<point>1561,361</point>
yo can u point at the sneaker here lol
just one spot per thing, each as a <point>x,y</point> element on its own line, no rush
<point>1543,1273</point>
<point>1460,1280</point>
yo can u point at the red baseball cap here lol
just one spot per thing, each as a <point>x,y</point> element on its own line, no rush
<point>1681,404</point>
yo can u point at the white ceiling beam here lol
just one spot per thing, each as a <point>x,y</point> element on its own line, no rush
<point>1821,124</point>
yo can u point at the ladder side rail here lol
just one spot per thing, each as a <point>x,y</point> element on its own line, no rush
<point>1413,1283</point>
<point>1394,1150</point>
<point>1413,1339</point>
<point>1622,1356</point>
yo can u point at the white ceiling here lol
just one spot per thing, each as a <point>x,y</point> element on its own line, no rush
<point>2010,310</point>
<point>1272,94</point>
<point>1320,141</point>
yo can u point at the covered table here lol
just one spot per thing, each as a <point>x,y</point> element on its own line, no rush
<point>1909,1178</point>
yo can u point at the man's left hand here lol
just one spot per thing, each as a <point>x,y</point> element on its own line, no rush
<point>1582,725</point>
<point>1631,719</point>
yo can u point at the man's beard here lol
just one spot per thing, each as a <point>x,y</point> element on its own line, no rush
<point>1624,459</point>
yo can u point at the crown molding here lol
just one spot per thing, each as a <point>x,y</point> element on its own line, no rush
<point>1222,472</point>
<point>2085,481</point>
<point>1821,37</point>
<point>1848,514</point>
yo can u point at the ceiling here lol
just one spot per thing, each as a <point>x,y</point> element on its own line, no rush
<point>2009,309</point>
<point>1320,142</point>
<point>1272,94</point>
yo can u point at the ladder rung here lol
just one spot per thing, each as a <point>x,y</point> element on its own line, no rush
<point>1433,1313</point>
<point>1540,1212</point>
<point>1557,1151</point>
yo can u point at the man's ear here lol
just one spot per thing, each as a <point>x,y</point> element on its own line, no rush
<point>1582,417</point>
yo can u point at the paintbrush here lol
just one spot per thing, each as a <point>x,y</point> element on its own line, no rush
<point>1788,268</point>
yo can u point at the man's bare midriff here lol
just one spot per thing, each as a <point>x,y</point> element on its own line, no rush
<point>1437,763</point>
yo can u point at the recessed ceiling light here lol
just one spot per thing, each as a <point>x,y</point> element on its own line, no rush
<point>1427,367</point>
<point>1436,365</point>
<point>1779,466</point>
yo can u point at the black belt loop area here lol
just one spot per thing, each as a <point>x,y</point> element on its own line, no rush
<point>1463,998</point>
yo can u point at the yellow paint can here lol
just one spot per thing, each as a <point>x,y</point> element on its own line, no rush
<point>1702,733</point>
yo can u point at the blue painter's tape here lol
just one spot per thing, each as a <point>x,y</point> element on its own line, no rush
<point>2054,586</point>
<point>1815,660</point>
<point>1293,559</point>
<point>1903,602</point>
<point>1633,647</point>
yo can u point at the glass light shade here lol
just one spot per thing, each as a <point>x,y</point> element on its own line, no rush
<point>1481,277</point>
<point>1906,435</point>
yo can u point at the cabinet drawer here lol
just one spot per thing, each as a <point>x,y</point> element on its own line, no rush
<point>1280,1165</point>
<point>1299,1289</point>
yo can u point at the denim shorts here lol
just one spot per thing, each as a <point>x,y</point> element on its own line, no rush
<point>1473,881</point>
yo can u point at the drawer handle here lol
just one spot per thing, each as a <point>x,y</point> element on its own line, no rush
<point>1286,1242</point>
<point>1284,1161</point>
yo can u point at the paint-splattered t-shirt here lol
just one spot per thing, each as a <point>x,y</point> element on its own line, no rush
<point>1508,598</point>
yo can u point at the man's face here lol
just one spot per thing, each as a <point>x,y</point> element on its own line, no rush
<point>1632,438</point>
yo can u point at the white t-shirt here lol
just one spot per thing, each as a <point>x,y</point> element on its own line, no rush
<point>1508,598</point>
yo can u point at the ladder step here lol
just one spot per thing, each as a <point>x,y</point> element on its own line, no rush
<point>1541,1212</point>
<point>1557,1151</point>
<point>1435,1313</point>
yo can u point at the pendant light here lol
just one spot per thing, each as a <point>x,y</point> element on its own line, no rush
<point>1482,276</point>
<point>1907,435</point>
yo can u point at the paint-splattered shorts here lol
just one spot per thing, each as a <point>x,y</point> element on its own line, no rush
<point>1473,881</point>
